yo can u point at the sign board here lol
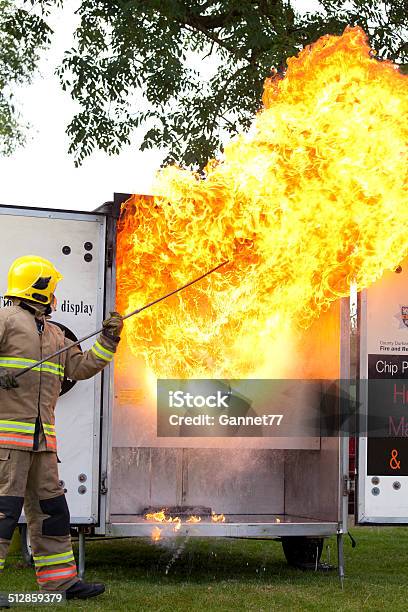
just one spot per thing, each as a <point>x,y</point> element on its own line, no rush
<point>383,445</point>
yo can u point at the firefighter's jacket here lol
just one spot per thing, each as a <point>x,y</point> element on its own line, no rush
<point>28,411</point>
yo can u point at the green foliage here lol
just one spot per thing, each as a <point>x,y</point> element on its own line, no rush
<point>22,36</point>
<point>134,63</point>
<point>138,54</point>
<point>149,46</point>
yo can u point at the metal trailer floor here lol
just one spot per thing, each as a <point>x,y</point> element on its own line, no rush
<point>235,525</point>
<point>257,526</point>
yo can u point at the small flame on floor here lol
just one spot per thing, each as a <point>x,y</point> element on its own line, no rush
<point>193,519</point>
<point>277,520</point>
<point>160,517</point>
<point>217,518</point>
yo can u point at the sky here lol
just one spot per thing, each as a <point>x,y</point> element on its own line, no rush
<point>42,174</point>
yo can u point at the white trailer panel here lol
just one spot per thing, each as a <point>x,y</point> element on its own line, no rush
<point>75,243</point>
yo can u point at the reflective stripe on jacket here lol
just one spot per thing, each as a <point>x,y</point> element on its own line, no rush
<point>20,346</point>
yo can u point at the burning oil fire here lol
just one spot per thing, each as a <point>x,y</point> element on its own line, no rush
<point>311,199</point>
<point>217,518</point>
<point>194,519</point>
<point>161,517</point>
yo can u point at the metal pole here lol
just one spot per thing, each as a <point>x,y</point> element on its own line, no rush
<point>81,557</point>
<point>340,558</point>
<point>131,314</point>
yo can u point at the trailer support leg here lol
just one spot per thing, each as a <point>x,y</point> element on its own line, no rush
<point>340,558</point>
<point>81,560</point>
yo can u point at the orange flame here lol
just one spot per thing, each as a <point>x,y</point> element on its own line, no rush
<point>311,199</point>
<point>161,517</point>
<point>194,519</point>
<point>156,534</point>
<point>157,516</point>
<point>217,518</point>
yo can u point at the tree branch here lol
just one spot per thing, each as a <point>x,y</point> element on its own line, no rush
<point>213,22</point>
<point>214,38</point>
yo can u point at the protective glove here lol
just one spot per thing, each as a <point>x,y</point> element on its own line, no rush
<point>113,326</point>
<point>8,381</point>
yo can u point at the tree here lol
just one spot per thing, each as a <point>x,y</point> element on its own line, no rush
<point>22,37</point>
<point>132,64</point>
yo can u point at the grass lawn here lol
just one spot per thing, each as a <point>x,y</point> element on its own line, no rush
<point>228,575</point>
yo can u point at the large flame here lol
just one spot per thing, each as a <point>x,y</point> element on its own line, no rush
<point>312,199</point>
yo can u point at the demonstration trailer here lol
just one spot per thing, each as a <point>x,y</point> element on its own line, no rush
<point>114,466</point>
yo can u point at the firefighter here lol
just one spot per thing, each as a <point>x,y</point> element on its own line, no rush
<point>28,447</point>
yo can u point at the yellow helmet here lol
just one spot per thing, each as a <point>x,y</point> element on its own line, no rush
<point>33,278</point>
